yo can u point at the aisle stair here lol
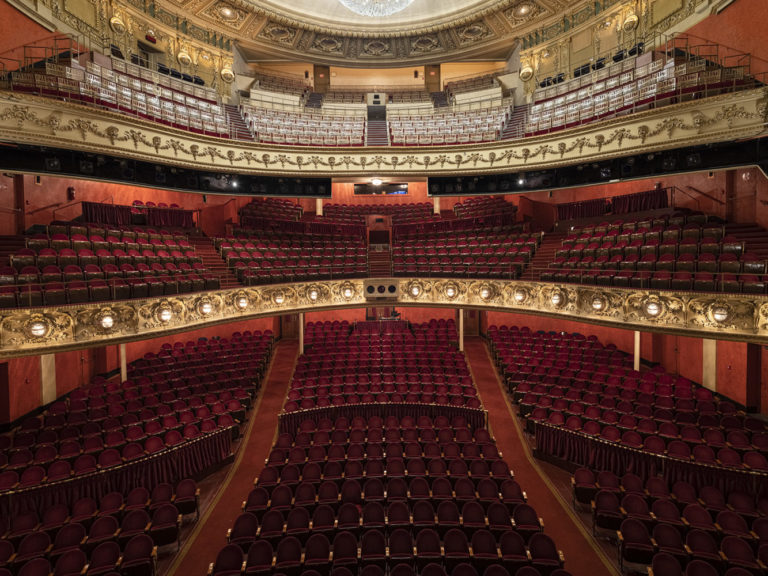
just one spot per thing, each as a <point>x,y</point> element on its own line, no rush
<point>213,262</point>
<point>238,129</point>
<point>379,261</point>
<point>545,254</point>
<point>376,129</point>
<point>515,125</point>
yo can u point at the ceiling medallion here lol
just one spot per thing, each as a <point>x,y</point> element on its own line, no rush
<point>376,8</point>
<point>523,11</point>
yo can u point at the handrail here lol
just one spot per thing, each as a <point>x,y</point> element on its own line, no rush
<point>705,194</point>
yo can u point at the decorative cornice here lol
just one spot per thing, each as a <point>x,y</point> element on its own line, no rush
<point>706,315</point>
<point>51,123</point>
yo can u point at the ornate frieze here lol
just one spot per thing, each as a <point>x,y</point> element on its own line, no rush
<point>46,122</point>
<point>717,316</point>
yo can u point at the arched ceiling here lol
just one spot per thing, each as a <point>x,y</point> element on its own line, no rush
<point>326,32</point>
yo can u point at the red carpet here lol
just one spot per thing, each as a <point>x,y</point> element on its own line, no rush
<point>209,535</point>
<point>582,557</point>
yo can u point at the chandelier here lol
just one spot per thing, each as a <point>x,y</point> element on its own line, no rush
<point>376,8</point>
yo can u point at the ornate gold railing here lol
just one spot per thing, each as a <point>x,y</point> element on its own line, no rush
<point>708,315</point>
<point>46,122</point>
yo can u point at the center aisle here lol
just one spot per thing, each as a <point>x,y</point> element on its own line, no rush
<point>582,556</point>
<point>210,533</point>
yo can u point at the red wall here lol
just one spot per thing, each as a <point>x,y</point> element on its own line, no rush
<point>741,27</point>
<point>18,31</point>
<point>24,387</point>
<point>47,201</point>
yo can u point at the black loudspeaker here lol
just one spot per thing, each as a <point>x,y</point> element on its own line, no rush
<point>380,289</point>
<point>306,73</point>
<point>415,73</point>
<point>205,199</point>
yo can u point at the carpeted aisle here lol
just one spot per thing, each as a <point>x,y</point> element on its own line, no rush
<point>582,556</point>
<point>209,535</point>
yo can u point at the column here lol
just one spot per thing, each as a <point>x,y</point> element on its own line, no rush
<point>123,364</point>
<point>637,350</point>
<point>461,329</point>
<point>436,204</point>
<point>19,204</point>
<point>754,380</point>
<point>319,206</point>
<point>709,364</point>
<point>301,332</point>
<point>47,378</point>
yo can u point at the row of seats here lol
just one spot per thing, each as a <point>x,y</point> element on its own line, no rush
<point>277,208</point>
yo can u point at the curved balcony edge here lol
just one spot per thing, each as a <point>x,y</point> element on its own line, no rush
<point>32,120</point>
<point>47,330</point>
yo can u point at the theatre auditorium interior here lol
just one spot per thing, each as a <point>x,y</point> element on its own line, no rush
<point>383,288</point>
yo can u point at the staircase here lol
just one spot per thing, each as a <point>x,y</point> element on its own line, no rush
<point>10,245</point>
<point>545,254</point>
<point>376,130</point>
<point>238,129</point>
<point>515,126</point>
<point>213,262</point>
<point>379,262</point>
<point>439,99</point>
<point>315,100</point>
<point>754,237</point>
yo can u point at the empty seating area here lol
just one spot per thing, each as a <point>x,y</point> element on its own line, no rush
<point>671,527</point>
<point>130,89</point>
<point>393,362</point>
<point>76,263</point>
<point>484,206</point>
<point>165,404</point>
<point>117,534</point>
<point>473,84</point>
<point>679,251</point>
<point>272,208</point>
<point>383,494</point>
<point>344,97</point>
<point>409,96</point>
<point>282,251</point>
<point>400,213</point>
<point>462,248</point>
<point>568,383</point>
<point>626,87</point>
<point>304,128</point>
<point>481,125</point>
<point>284,84</point>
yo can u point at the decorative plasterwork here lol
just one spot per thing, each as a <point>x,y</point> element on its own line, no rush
<point>45,122</point>
<point>717,316</point>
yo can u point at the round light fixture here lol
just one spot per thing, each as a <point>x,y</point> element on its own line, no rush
<point>164,314</point>
<point>227,74</point>
<point>720,313</point>
<point>526,73</point>
<point>598,303</point>
<point>485,292</point>
<point>205,307</point>
<point>520,296</point>
<point>117,25</point>
<point>377,181</point>
<point>184,58</point>
<point>37,328</point>
<point>415,290</point>
<point>522,9</point>
<point>241,301</point>
<point>652,308</point>
<point>451,291</point>
<point>556,299</point>
<point>227,13</point>
<point>348,292</point>
<point>279,298</point>
<point>107,321</point>
<point>376,8</point>
<point>313,294</point>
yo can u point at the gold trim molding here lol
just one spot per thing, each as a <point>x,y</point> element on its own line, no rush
<point>35,331</point>
<point>46,122</point>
